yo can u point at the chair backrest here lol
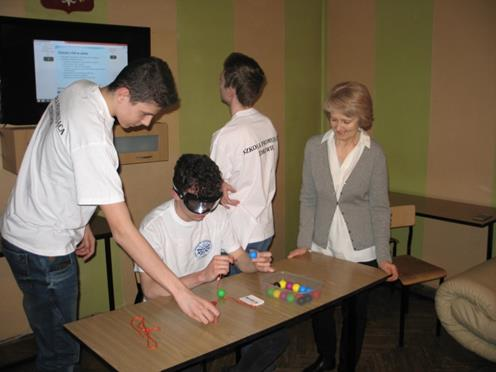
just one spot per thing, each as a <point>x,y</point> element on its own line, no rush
<point>402,216</point>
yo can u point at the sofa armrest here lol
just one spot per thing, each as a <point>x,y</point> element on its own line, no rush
<point>466,306</point>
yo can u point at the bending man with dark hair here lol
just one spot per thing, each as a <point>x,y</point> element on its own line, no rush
<point>190,233</point>
<point>70,168</point>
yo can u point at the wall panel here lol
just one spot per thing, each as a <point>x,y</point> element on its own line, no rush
<point>205,38</point>
<point>462,134</point>
<point>350,42</point>
<point>259,33</point>
<point>303,106</point>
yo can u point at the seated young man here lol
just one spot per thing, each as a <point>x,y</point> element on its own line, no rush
<point>189,238</point>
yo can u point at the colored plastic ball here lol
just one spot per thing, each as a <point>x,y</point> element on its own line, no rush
<point>253,254</point>
<point>303,289</point>
<point>277,293</point>
<point>296,287</point>
<point>300,301</point>
<point>282,283</point>
<point>315,294</point>
<point>290,297</point>
<point>270,291</point>
<point>283,295</point>
<point>277,284</point>
<point>289,285</point>
<point>221,293</point>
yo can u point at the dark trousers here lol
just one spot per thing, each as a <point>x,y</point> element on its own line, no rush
<point>354,312</point>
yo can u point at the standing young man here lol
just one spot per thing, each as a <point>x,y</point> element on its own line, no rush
<point>246,150</point>
<point>70,168</point>
<point>191,240</point>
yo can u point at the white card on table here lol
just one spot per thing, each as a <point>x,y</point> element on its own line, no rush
<point>252,300</point>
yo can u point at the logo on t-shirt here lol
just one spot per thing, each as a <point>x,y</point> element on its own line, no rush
<point>202,249</point>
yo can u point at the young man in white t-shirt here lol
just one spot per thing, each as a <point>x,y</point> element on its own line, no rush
<point>246,151</point>
<point>70,168</point>
<point>194,236</point>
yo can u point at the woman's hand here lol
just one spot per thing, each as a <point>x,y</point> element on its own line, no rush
<point>390,269</point>
<point>297,252</point>
<point>263,262</point>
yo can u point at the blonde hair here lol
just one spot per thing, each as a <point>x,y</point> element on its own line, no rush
<point>352,99</point>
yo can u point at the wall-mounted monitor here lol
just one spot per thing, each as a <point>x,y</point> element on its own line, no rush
<point>39,58</point>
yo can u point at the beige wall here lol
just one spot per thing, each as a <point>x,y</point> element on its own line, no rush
<point>462,134</point>
<point>350,43</point>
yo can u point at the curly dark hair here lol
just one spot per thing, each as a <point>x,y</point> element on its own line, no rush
<point>245,75</point>
<point>149,80</point>
<point>199,175</point>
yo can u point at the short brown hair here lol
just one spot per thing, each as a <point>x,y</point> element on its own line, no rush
<point>246,76</point>
<point>352,99</point>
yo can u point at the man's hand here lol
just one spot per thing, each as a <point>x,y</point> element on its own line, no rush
<point>226,201</point>
<point>298,252</point>
<point>390,269</point>
<point>196,307</point>
<point>86,248</point>
<point>218,266</point>
<point>263,262</point>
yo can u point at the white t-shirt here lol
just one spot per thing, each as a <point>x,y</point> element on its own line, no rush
<point>246,150</point>
<point>69,168</point>
<point>187,247</point>
<point>339,242</point>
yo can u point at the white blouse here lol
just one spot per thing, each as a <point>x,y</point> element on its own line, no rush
<point>339,242</point>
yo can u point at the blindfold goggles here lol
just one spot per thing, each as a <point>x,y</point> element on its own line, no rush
<point>197,205</point>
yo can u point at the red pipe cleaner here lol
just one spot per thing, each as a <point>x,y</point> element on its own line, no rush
<point>138,323</point>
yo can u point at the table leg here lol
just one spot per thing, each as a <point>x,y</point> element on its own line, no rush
<point>490,230</point>
<point>110,278</point>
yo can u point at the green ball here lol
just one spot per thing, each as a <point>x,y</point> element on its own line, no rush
<point>290,297</point>
<point>270,291</point>
<point>221,293</point>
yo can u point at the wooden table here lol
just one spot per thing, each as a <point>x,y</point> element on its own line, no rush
<point>182,341</point>
<point>450,211</point>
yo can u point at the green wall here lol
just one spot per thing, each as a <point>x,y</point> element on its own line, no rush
<point>205,38</point>
<point>402,93</point>
<point>303,99</point>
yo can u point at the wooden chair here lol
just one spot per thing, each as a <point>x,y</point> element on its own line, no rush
<point>411,269</point>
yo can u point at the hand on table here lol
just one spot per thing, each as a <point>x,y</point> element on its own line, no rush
<point>196,307</point>
<point>390,269</point>
<point>298,252</point>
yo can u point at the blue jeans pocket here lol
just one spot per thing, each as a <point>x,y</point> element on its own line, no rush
<point>17,259</point>
<point>59,263</point>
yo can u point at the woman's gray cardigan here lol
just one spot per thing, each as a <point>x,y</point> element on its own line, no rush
<point>364,200</point>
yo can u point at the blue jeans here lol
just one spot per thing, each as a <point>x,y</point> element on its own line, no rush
<point>261,246</point>
<point>50,289</point>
